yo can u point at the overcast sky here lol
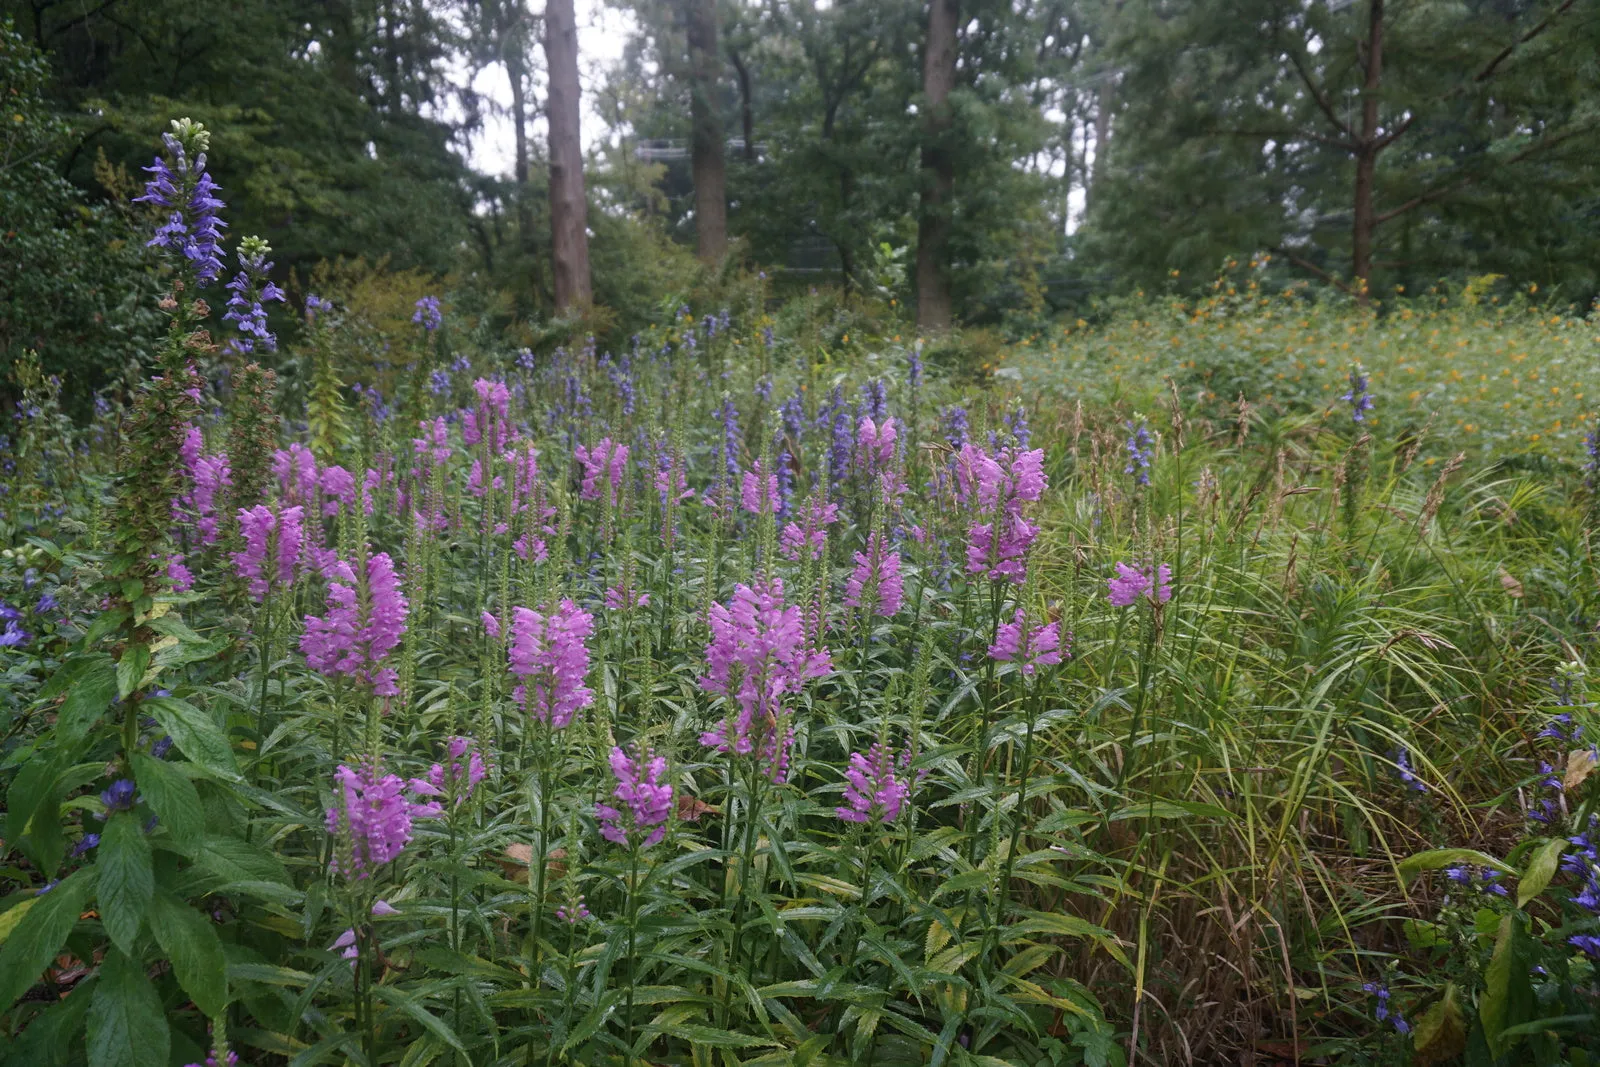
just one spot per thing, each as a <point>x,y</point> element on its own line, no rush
<point>602,32</point>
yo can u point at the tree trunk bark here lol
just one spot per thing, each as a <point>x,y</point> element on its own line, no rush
<point>1105,103</point>
<point>513,42</point>
<point>1367,148</point>
<point>747,116</point>
<point>569,235</point>
<point>938,169</point>
<point>710,168</point>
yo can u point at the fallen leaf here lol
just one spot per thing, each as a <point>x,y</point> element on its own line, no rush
<point>690,808</point>
<point>1580,764</point>
<point>1512,587</point>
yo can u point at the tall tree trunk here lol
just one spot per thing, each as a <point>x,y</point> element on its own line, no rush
<point>1104,105</point>
<point>938,169</point>
<point>569,213</point>
<point>513,45</point>
<point>747,118</point>
<point>1368,145</point>
<point>710,169</point>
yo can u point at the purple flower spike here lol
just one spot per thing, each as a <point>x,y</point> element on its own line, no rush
<point>645,802</point>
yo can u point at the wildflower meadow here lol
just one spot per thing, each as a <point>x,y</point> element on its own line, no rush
<point>746,692</point>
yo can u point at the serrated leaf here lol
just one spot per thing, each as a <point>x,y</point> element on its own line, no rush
<point>1441,1031</point>
<point>1497,985</point>
<point>127,879</point>
<point>1540,870</point>
<point>1437,858</point>
<point>131,667</point>
<point>409,1007</point>
<point>195,735</point>
<point>90,691</point>
<point>11,917</point>
<point>127,1027</point>
<point>191,944</point>
<point>712,1037</point>
<point>171,796</point>
<point>40,933</point>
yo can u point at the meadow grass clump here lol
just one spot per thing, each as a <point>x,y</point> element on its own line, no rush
<point>714,703</point>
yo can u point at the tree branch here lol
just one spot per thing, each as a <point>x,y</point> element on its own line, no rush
<point>1489,71</point>
<point>1461,183</point>
<point>1321,97</point>
<point>1307,265</point>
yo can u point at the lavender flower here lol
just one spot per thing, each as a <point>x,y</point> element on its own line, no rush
<point>371,819</point>
<point>460,774</point>
<point>120,795</point>
<point>181,186</point>
<point>1030,649</point>
<point>1383,1012</point>
<point>252,289</point>
<point>1131,583</point>
<point>428,315</point>
<point>645,802</point>
<point>953,422</point>
<point>873,792</point>
<point>366,617</point>
<point>757,657</point>
<point>1358,398</point>
<point>1141,447</point>
<point>875,586</point>
<point>548,652</point>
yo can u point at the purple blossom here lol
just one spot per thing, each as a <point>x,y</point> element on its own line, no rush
<point>460,774</point>
<point>874,585</point>
<point>371,819</point>
<point>428,315</point>
<point>1131,583</point>
<point>14,636</point>
<point>873,792</point>
<point>620,599</point>
<point>366,616</point>
<point>758,491</point>
<point>251,290</point>
<point>183,188</point>
<point>645,803</point>
<point>757,658</point>
<point>1358,398</point>
<point>1040,646</point>
<point>607,459</point>
<point>180,577</point>
<point>120,795</point>
<point>549,654</point>
<point>1141,448</point>
<point>808,537</point>
<point>272,544</point>
<point>875,444</point>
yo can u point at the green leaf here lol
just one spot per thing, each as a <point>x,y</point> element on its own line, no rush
<point>104,623</point>
<point>410,1007</point>
<point>33,814</point>
<point>195,734</point>
<point>1496,997</point>
<point>1540,870</point>
<point>191,943</point>
<point>92,689</point>
<point>712,1037</point>
<point>131,667</point>
<point>1441,1031</point>
<point>127,880</point>
<point>1448,857</point>
<point>171,796</point>
<point>40,934</point>
<point>127,1027</point>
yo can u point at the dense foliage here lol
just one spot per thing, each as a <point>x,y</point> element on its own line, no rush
<point>755,694</point>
